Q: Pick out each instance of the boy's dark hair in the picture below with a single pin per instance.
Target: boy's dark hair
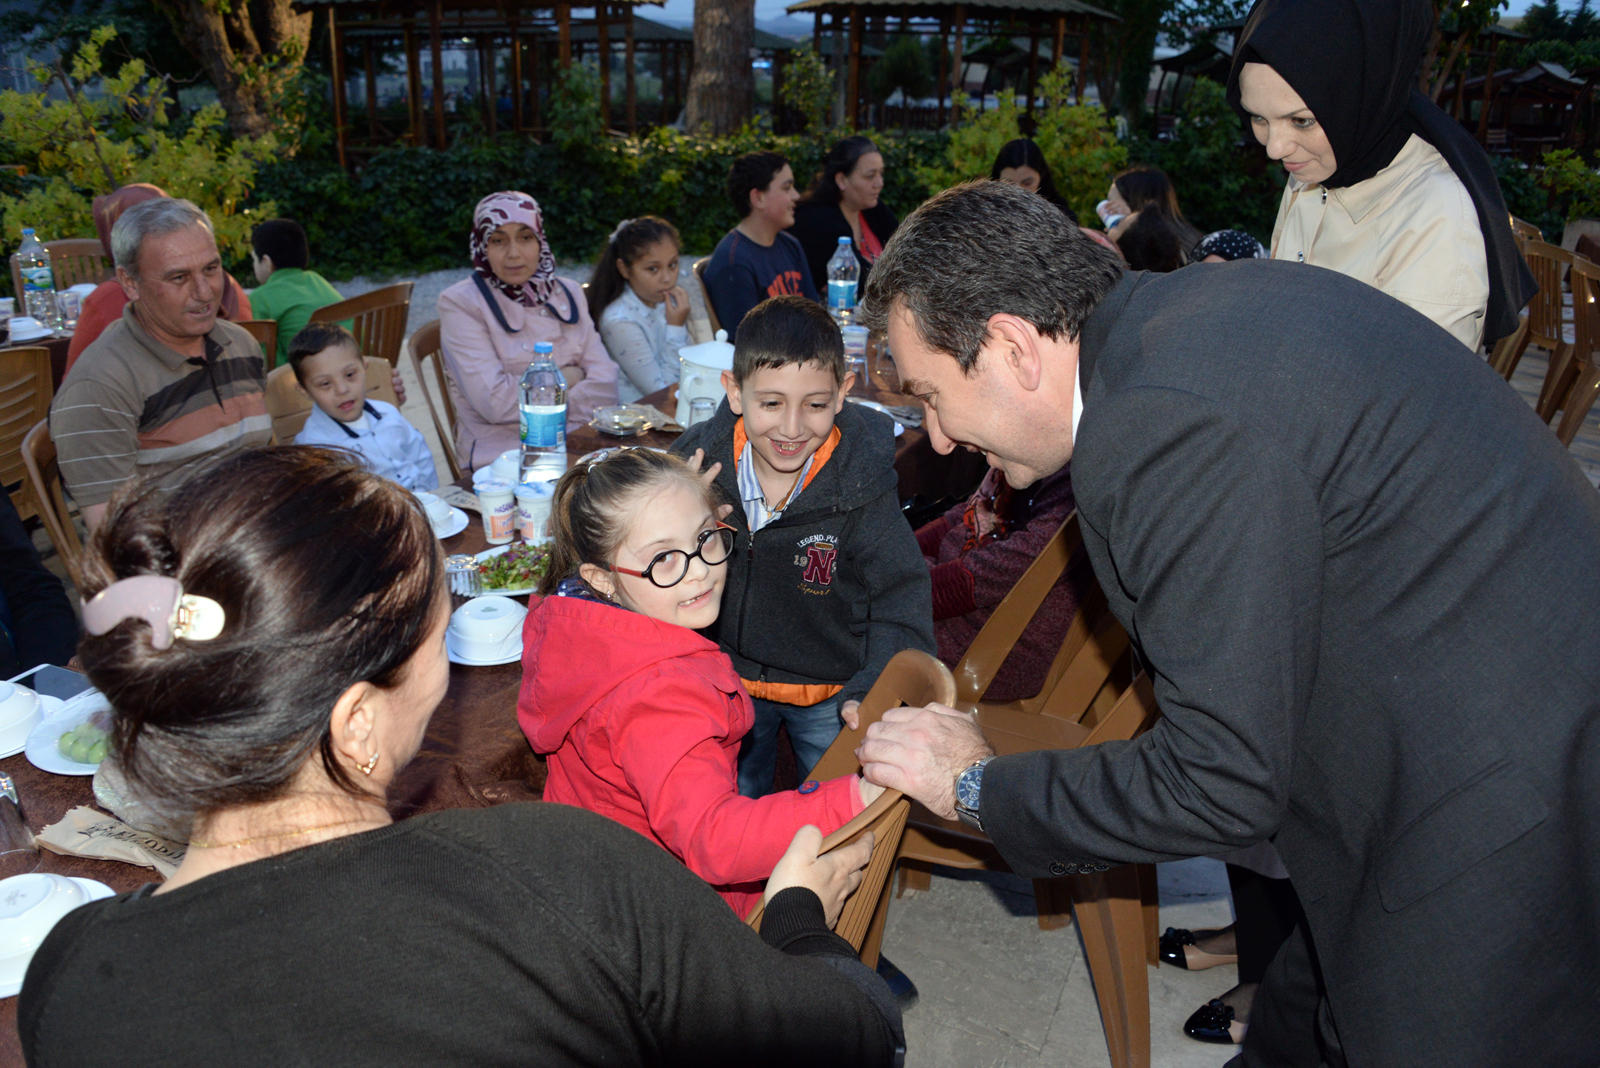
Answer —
(752, 171)
(315, 338)
(1152, 243)
(283, 240)
(784, 330)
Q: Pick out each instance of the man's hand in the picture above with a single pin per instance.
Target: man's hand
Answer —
(920, 751)
(833, 878)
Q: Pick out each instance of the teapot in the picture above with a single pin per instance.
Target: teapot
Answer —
(700, 373)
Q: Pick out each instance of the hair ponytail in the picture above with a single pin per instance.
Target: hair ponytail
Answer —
(626, 243)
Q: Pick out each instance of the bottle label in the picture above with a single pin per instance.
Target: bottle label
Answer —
(37, 278)
(544, 425)
(841, 295)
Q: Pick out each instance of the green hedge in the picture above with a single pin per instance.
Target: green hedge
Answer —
(409, 210)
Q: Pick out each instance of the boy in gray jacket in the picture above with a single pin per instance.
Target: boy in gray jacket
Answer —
(826, 582)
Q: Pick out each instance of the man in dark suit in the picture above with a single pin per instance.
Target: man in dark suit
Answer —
(1366, 584)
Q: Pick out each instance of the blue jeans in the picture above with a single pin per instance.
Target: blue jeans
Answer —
(811, 730)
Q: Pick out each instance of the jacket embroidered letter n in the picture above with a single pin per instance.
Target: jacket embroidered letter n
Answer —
(819, 564)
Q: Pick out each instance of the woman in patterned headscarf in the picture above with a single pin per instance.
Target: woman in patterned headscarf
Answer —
(490, 321)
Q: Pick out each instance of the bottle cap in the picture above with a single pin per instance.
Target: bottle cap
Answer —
(543, 347)
(27, 231)
(844, 241)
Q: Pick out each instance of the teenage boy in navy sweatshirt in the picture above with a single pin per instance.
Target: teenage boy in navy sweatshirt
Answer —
(826, 582)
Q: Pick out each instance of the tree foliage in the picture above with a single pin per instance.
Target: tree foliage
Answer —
(120, 132)
(1076, 139)
(903, 66)
(808, 87)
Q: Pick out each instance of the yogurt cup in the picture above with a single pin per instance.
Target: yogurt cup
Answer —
(497, 503)
(533, 509)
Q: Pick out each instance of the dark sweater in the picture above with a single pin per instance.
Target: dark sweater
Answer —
(523, 934)
(742, 274)
(819, 226)
(836, 586)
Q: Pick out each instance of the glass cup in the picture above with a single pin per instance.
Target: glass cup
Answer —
(701, 409)
(68, 307)
(19, 853)
(466, 579)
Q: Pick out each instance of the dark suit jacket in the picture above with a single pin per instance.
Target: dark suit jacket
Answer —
(1366, 583)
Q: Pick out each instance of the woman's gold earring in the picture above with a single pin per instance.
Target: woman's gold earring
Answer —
(366, 769)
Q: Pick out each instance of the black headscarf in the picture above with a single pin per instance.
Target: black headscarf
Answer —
(1355, 64)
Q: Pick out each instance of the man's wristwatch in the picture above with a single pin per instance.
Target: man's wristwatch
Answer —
(969, 784)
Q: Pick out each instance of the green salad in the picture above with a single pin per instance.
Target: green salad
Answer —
(518, 568)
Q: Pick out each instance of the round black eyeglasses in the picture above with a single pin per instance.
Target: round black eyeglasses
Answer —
(667, 569)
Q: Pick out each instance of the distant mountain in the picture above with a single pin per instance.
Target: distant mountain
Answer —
(787, 26)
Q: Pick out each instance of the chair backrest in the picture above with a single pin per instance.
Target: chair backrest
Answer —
(423, 347)
(911, 677)
(1093, 644)
(25, 392)
(76, 260)
(44, 482)
(265, 331)
(1525, 232)
(290, 408)
(1549, 264)
(700, 277)
(379, 319)
(1571, 383)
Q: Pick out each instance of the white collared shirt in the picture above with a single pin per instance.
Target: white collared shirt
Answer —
(754, 498)
(1077, 401)
(642, 343)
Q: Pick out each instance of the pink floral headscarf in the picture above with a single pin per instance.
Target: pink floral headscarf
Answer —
(495, 211)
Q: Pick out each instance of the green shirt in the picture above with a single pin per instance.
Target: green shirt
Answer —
(290, 296)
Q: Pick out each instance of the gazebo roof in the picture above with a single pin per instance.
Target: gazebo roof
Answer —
(978, 7)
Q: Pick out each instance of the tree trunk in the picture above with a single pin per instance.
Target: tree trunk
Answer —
(246, 52)
(722, 88)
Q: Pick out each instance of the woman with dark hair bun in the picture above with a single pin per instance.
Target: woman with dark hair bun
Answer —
(1140, 191)
(1022, 163)
(271, 640)
(843, 202)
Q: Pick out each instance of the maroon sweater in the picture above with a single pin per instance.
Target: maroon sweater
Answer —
(968, 582)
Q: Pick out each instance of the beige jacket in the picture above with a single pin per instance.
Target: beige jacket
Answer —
(1410, 230)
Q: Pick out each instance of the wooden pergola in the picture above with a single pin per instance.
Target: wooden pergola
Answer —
(539, 39)
(952, 23)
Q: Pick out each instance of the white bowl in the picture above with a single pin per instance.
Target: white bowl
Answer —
(20, 711)
(487, 628)
(507, 466)
(30, 905)
(437, 510)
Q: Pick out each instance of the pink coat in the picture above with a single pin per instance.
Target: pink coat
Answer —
(642, 722)
(486, 365)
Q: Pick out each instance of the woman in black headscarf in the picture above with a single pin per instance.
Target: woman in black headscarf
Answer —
(1383, 186)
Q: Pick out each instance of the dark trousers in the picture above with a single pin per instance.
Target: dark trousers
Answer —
(1265, 913)
(1290, 1025)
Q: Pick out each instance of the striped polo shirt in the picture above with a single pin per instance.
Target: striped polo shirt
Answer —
(133, 407)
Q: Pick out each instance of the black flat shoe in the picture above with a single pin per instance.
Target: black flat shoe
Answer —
(1214, 1022)
(900, 985)
(1178, 949)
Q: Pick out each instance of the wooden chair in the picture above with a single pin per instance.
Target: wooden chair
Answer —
(44, 484)
(25, 393)
(700, 277)
(423, 347)
(1524, 232)
(379, 319)
(912, 678)
(1549, 264)
(1086, 699)
(1573, 381)
(265, 331)
(72, 260)
(290, 408)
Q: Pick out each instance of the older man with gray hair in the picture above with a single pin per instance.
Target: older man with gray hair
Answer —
(170, 385)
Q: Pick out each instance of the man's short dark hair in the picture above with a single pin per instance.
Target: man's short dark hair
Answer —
(752, 171)
(283, 240)
(784, 330)
(315, 338)
(983, 249)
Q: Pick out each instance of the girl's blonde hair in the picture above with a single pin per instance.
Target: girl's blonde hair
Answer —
(588, 518)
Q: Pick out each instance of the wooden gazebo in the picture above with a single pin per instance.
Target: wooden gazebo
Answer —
(539, 39)
(952, 22)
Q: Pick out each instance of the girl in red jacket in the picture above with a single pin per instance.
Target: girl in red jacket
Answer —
(641, 716)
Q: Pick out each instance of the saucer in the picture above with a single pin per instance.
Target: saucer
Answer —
(457, 523)
(93, 891)
(457, 658)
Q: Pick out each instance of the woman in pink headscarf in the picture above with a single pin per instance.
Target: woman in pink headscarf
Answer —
(490, 321)
(104, 305)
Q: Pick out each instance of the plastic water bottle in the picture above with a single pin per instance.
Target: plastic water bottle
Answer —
(38, 281)
(844, 271)
(544, 414)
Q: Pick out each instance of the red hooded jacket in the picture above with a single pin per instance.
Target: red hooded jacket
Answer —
(642, 722)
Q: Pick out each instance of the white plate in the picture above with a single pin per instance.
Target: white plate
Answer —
(457, 658)
(42, 748)
(95, 891)
(496, 551)
(899, 427)
(458, 522)
(48, 706)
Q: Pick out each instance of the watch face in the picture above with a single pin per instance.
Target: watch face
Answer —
(968, 785)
